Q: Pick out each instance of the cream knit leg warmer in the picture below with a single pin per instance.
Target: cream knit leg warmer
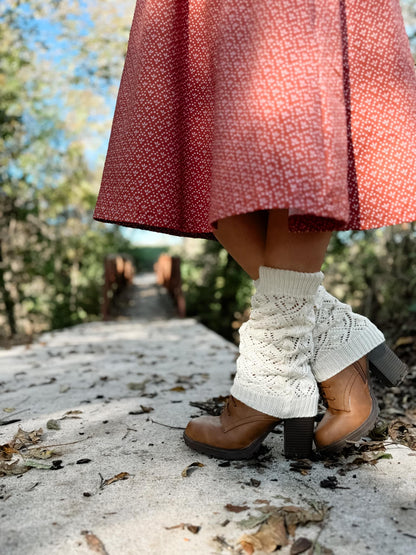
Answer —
(273, 370)
(340, 336)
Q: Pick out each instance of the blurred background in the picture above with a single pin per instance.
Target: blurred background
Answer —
(60, 66)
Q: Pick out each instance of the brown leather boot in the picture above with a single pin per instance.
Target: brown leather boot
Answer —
(240, 430)
(352, 408)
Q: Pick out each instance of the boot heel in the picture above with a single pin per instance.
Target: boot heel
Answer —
(386, 365)
(298, 437)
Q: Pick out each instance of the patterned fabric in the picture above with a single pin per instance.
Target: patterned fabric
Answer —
(340, 336)
(231, 106)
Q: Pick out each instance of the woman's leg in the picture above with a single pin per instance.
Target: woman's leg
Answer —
(274, 379)
(263, 239)
(273, 370)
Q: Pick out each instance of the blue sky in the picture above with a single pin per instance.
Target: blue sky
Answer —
(48, 32)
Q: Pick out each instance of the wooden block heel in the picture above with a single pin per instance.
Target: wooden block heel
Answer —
(386, 365)
(298, 437)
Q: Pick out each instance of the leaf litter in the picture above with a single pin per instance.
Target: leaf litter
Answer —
(191, 527)
(94, 543)
(190, 468)
(278, 524)
(106, 482)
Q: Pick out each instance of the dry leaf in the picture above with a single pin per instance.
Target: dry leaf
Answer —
(42, 453)
(191, 527)
(300, 546)
(213, 406)
(177, 388)
(252, 521)
(12, 469)
(369, 457)
(403, 431)
(186, 471)
(22, 439)
(380, 431)
(247, 547)
(35, 464)
(271, 535)
(117, 478)
(94, 543)
(71, 414)
(143, 410)
(9, 409)
(7, 452)
(294, 515)
(236, 508)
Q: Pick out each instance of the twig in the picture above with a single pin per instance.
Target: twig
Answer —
(315, 541)
(58, 444)
(14, 413)
(166, 425)
(127, 432)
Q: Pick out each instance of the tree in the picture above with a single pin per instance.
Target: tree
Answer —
(50, 249)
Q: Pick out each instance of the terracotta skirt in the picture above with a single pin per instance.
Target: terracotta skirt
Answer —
(231, 106)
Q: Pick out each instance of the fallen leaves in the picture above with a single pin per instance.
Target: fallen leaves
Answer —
(190, 468)
(403, 431)
(300, 546)
(271, 536)
(25, 449)
(94, 543)
(23, 439)
(42, 453)
(212, 406)
(143, 410)
(303, 466)
(7, 452)
(368, 457)
(236, 508)
(116, 478)
(16, 447)
(71, 414)
(277, 524)
(191, 527)
(13, 468)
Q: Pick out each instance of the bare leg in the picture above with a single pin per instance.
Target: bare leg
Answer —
(263, 239)
(244, 237)
(300, 252)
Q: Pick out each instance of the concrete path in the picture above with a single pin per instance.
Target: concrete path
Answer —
(96, 382)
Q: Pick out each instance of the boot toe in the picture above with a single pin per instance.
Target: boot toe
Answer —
(201, 429)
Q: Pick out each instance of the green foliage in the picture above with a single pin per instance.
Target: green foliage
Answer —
(145, 257)
(217, 291)
(374, 271)
(51, 251)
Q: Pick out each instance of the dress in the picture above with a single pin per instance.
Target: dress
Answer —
(231, 106)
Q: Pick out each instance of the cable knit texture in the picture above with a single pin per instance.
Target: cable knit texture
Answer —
(340, 336)
(276, 344)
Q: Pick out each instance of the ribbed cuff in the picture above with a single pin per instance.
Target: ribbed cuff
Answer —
(283, 406)
(359, 344)
(273, 281)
